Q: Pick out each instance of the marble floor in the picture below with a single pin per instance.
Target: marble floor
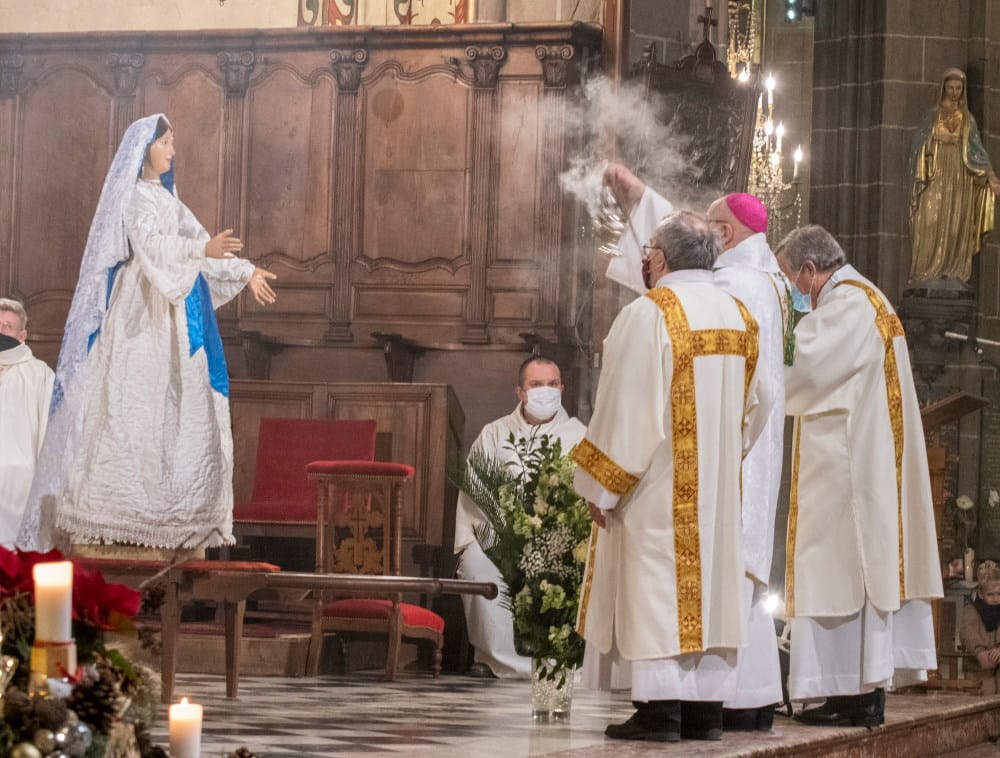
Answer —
(362, 714)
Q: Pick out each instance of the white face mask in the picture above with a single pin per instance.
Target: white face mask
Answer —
(543, 402)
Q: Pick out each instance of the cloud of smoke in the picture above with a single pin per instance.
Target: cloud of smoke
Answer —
(623, 123)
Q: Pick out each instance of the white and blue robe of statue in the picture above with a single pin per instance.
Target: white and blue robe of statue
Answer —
(862, 559)
(139, 447)
(489, 623)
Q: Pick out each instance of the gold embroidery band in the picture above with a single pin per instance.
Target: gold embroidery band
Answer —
(793, 520)
(605, 471)
(889, 328)
(752, 348)
(686, 345)
(588, 581)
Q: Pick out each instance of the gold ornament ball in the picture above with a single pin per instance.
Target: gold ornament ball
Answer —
(25, 750)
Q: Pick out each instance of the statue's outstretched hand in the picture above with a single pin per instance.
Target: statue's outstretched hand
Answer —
(259, 287)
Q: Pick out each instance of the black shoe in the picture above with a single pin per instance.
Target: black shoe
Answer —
(748, 719)
(870, 709)
(481, 671)
(765, 718)
(739, 719)
(853, 710)
(701, 720)
(646, 728)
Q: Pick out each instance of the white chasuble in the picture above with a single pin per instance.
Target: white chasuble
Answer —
(490, 625)
(154, 461)
(861, 521)
(677, 406)
(25, 391)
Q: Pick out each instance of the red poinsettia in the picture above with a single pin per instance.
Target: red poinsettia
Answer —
(100, 604)
(95, 601)
(16, 569)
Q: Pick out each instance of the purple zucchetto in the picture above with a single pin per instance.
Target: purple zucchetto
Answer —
(749, 211)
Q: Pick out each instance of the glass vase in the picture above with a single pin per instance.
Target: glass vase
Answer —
(551, 699)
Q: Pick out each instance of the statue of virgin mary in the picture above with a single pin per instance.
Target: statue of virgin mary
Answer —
(138, 449)
(952, 197)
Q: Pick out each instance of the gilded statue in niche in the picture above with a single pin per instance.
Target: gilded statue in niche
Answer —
(953, 186)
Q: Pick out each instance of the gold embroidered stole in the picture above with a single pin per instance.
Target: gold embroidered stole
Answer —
(686, 345)
(889, 327)
(793, 520)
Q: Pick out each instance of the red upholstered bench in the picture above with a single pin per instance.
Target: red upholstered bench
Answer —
(359, 518)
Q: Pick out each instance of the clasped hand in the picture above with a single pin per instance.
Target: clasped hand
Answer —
(989, 659)
(597, 516)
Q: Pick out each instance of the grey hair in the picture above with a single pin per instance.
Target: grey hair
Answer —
(812, 243)
(13, 306)
(687, 241)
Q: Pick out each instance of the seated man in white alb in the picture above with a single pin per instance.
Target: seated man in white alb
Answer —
(539, 411)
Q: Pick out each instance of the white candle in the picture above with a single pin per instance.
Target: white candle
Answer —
(53, 601)
(770, 91)
(185, 729)
(779, 132)
(798, 158)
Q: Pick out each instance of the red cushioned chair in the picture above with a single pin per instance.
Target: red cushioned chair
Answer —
(359, 531)
(283, 502)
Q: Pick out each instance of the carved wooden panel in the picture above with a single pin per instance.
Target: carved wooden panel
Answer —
(55, 158)
(398, 180)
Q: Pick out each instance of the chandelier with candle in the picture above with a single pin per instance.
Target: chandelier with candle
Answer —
(744, 18)
(783, 199)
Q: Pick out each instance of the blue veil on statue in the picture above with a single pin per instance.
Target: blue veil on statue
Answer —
(106, 250)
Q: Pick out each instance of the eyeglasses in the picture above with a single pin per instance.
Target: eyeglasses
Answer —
(648, 250)
(14, 326)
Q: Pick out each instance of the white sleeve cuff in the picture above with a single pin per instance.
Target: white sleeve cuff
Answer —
(590, 489)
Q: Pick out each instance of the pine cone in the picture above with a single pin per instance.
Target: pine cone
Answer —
(243, 752)
(98, 701)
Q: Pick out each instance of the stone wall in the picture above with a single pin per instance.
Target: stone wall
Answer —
(878, 68)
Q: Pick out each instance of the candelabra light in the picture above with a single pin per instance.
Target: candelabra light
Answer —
(744, 18)
(783, 199)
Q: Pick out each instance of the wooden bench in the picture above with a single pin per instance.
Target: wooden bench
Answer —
(230, 583)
